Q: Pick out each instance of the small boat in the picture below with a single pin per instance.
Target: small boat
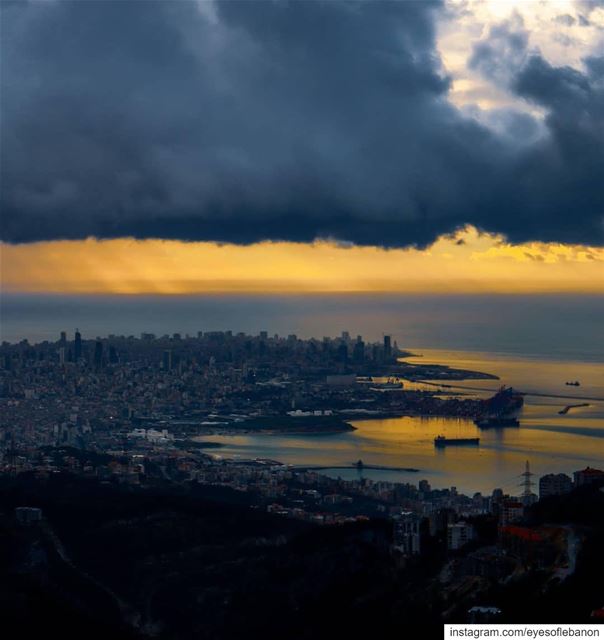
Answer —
(576, 383)
(441, 441)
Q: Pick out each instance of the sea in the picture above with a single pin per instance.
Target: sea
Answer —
(535, 343)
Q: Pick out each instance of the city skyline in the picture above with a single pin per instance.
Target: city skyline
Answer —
(301, 318)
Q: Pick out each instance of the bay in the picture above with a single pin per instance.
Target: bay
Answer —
(535, 343)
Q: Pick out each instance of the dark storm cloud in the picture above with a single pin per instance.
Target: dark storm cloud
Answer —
(503, 50)
(278, 120)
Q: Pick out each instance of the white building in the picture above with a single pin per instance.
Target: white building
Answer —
(406, 533)
(458, 535)
(152, 435)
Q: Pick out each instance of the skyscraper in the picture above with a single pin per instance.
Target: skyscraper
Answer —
(387, 347)
(342, 353)
(77, 349)
(358, 351)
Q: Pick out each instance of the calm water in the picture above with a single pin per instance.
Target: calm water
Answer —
(552, 442)
(534, 343)
(545, 326)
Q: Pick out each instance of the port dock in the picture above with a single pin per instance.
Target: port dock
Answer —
(362, 467)
(523, 393)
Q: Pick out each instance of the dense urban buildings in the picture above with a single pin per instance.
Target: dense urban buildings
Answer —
(219, 221)
(554, 484)
(128, 415)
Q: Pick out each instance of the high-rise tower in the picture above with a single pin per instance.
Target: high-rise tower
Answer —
(387, 347)
(77, 348)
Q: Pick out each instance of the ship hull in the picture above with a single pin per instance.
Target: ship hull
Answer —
(496, 423)
(455, 442)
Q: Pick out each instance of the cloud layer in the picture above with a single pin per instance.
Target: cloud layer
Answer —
(240, 122)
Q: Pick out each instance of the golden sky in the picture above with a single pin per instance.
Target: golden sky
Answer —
(467, 263)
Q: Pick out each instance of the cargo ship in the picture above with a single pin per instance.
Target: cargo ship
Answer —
(498, 411)
(496, 421)
(505, 401)
(441, 441)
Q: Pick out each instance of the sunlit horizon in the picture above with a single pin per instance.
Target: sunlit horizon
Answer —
(467, 262)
